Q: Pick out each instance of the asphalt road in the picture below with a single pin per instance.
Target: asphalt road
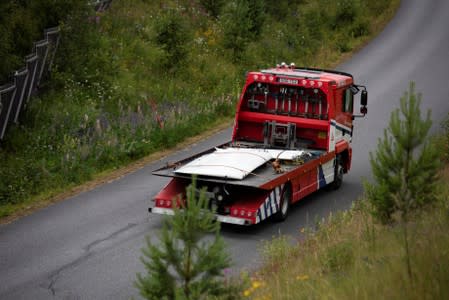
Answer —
(88, 247)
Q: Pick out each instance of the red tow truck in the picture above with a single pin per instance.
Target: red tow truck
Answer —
(292, 136)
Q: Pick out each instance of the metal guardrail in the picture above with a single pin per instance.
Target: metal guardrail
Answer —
(20, 81)
(7, 93)
(101, 5)
(15, 96)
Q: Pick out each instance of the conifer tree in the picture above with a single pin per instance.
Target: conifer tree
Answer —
(405, 163)
(186, 264)
(173, 35)
(242, 22)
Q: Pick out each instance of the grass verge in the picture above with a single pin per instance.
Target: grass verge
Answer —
(351, 256)
(11, 212)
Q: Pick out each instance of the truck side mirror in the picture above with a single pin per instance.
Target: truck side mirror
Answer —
(363, 110)
(364, 98)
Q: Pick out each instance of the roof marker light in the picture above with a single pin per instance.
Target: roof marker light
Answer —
(264, 77)
(304, 82)
(312, 83)
(320, 84)
(256, 77)
(271, 78)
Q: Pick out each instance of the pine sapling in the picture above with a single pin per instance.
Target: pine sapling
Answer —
(404, 166)
(404, 159)
(190, 259)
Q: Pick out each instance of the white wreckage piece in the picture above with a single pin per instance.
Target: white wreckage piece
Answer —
(235, 163)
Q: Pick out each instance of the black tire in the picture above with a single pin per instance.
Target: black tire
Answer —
(338, 177)
(286, 200)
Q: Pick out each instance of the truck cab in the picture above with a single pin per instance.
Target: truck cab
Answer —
(297, 108)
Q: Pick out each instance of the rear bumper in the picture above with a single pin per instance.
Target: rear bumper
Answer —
(233, 220)
(220, 218)
(161, 211)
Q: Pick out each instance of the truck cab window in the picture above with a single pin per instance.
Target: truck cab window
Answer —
(348, 99)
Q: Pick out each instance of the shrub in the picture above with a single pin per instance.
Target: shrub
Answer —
(241, 23)
(213, 7)
(360, 28)
(347, 12)
(338, 257)
(445, 139)
(173, 36)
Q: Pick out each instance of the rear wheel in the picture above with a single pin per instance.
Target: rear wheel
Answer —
(284, 205)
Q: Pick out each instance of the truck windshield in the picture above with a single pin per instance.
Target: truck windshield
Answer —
(286, 100)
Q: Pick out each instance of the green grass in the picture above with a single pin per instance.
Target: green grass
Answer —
(128, 86)
(352, 256)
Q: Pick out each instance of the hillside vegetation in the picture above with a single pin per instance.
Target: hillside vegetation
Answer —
(145, 75)
(352, 256)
